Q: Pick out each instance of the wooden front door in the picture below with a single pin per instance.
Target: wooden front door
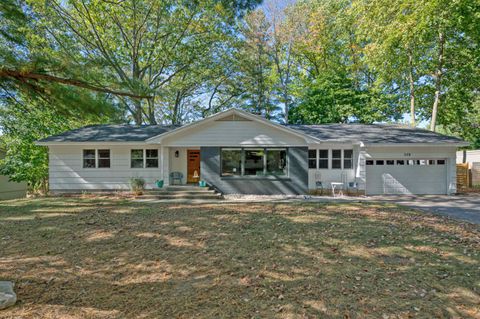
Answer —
(193, 166)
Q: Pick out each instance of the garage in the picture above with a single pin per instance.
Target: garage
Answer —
(406, 176)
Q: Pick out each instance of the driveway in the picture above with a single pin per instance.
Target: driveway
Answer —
(464, 207)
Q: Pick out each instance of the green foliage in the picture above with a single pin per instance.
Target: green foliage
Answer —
(137, 185)
(333, 98)
(23, 122)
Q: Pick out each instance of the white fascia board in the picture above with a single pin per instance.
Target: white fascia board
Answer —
(456, 144)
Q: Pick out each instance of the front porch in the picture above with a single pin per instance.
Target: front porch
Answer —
(181, 165)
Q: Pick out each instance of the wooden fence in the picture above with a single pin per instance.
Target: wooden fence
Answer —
(463, 176)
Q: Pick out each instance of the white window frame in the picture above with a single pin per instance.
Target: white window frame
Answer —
(97, 157)
(144, 158)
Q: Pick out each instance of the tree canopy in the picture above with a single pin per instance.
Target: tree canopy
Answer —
(67, 63)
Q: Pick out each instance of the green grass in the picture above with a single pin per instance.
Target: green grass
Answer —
(111, 258)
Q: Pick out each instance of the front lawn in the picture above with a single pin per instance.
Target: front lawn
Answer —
(107, 258)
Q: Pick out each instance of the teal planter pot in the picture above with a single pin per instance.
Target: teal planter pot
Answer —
(202, 184)
(159, 183)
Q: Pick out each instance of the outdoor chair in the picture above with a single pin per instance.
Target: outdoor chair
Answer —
(176, 176)
(319, 187)
(352, 186)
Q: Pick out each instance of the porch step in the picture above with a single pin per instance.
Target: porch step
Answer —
(182, 192)
(212, 196)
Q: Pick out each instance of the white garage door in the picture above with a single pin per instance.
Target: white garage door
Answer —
(402, 176)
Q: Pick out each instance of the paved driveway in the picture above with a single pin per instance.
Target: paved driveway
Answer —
(465, 207)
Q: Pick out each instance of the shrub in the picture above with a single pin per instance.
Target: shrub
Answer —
(137, 185)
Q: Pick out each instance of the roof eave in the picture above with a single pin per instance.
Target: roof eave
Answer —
(441, 144)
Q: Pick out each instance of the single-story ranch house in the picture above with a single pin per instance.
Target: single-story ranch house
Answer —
(238, 152)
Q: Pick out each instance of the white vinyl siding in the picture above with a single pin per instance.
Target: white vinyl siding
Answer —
(66, 170)
(234, 133)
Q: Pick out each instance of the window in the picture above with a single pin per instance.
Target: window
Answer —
(277, 161)
(254, 162)
(136, 159)
(369, 162)
(431, 162)
(231, 162)
(347, 159)
(151, 158)
(323, 159)
(336, 159)
(390, 162)
(400, 162)
(440, 162)
(379, 162)
(103, 158)
(410, 162)
(89, 159)
(312, 158)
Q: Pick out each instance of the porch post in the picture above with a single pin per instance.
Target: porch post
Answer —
(165, 156)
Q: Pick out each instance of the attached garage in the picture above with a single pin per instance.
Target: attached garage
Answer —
(406, 176)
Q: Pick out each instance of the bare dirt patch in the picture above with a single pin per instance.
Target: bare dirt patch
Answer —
(112, 258)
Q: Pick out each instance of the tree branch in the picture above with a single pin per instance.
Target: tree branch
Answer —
(18, 75)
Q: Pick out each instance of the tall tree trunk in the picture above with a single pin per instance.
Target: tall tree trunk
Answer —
(137, 115)
(151, 112)
(285, 97)
(438, 79)
(412, 87)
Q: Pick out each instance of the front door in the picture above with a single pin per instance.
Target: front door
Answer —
(193, 166)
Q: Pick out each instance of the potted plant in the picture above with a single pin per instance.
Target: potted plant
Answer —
(137, 185)
(202, 184)
(159, 183)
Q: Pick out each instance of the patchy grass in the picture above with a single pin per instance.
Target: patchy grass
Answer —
(106, 258)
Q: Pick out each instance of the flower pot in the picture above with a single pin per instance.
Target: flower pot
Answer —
(159, 183)
(202, 184)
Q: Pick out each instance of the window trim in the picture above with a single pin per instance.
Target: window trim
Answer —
(347, 158)
(144, 158)
(337, 158)
(323, 158)
(315, 159)
(97, 157)
(265, 174)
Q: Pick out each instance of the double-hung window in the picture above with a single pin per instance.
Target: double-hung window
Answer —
(151, 158)
(136, 160)
(103, 158)
(312, 158)
(89, 159)
(337, 159)
(347, 159)
(323, 159)
(96, 158)
(140, 158)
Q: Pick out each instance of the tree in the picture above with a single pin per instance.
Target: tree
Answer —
(145, 46)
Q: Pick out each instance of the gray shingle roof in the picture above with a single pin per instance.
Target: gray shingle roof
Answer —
(110, 133)
(373, 133)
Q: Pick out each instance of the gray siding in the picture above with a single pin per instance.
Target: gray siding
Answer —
(296, 183)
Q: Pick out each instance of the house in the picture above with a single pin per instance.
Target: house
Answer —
(9, 189)
(238, 152)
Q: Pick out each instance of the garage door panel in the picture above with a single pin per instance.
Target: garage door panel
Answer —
(406, 179)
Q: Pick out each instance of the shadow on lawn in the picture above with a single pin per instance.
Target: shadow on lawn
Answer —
(114, 259)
